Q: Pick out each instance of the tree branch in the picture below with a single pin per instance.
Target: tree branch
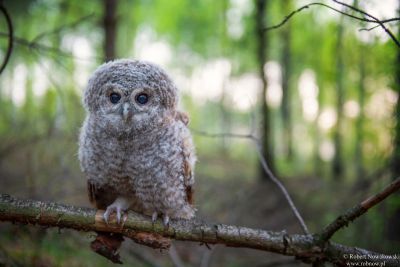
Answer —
(372, 19)
(44, 48)
(369, 29)
(141, 256)
(176, 260)
(35, 44)
(62, 27)
(282, 188)
(358, 210)
(10, 36)
(303, 247)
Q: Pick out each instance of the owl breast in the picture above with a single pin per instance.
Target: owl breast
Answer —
(147, 168)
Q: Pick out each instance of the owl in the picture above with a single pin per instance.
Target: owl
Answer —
(134, 147)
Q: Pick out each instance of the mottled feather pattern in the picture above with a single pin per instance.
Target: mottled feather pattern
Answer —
(148, 159)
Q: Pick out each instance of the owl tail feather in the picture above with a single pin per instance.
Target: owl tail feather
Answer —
(107, 245)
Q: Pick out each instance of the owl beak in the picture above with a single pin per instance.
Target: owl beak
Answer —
(126, 111)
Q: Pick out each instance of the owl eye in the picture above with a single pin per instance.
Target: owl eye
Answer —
(142, 98)
(115, 97)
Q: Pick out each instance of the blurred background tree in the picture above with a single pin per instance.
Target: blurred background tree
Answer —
(322, 94)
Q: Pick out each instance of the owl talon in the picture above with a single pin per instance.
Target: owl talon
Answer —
(119, 206)
(111, 209)
(105, 217)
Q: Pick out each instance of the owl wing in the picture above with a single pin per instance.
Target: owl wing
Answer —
(182, 116)
(188, 167)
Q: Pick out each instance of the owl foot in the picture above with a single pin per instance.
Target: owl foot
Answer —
(119, 206)
(165, 218)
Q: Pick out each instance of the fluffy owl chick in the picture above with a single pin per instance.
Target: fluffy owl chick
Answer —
(135, 147)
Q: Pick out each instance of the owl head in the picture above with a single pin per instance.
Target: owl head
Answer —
(130, 95)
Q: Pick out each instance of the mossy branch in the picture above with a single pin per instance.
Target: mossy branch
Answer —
(303, 247)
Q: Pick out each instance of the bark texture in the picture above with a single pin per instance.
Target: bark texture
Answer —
(303, 247)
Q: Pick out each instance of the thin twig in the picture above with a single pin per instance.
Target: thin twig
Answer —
(10, 36)
(206, 258)
(372, 19)
(48, 49)
(375, 19)
(356, 9)
(173, 254)
(358, 210)
(62, 27)
(141, 256)
(34, 44)
(217, 135)
(266, 169)
(369, 29)
(327, 6)
(282, 188)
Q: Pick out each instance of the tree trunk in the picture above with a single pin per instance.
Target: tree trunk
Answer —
(286, 76)
(396, 144)
(360, 172)
(337, 167)
(393, 228)
(266, 132)
(225, 116)
(110, 28)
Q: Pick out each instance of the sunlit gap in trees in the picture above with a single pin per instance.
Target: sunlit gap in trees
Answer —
(234, 23)
(82, 50)
(43, 74)
(206, 82)
(160, 52)
(273, 73)
(308, 90)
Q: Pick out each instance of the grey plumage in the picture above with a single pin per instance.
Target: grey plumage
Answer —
(136, 156)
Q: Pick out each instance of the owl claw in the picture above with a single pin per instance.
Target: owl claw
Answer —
(119, 206)
(111, 209)
(108, 213)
